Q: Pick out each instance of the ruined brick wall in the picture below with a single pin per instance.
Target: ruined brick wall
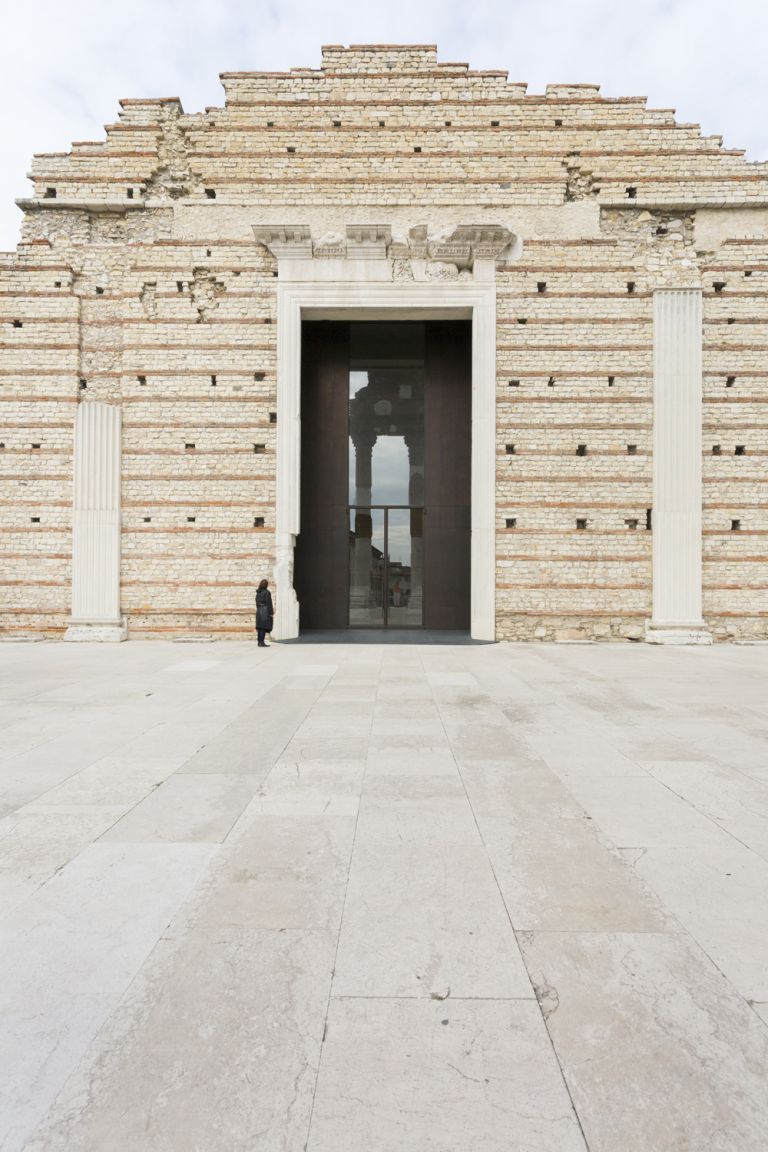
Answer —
(735, 439)
(138, 280)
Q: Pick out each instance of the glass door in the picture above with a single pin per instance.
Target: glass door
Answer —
(385, 567)
(386, 473)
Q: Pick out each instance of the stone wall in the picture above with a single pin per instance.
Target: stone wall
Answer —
(138, 281)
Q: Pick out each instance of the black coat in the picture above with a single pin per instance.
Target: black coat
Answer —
(264, 610)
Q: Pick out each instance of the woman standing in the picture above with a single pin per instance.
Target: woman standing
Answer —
(265, 613)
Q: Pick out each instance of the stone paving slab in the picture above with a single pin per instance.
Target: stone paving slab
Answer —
(383, 897)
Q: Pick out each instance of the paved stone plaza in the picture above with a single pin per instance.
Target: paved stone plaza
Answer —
(383, 898)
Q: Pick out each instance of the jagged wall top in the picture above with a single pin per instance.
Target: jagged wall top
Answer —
(391, 121)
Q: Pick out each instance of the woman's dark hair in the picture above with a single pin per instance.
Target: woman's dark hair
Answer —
(263, 584)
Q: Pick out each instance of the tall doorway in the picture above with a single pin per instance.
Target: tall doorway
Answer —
(385, 475)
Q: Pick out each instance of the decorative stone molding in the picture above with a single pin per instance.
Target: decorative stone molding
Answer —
(457, 251)
(285, 241)
(677, 387)
(368, 241)
(96, 526)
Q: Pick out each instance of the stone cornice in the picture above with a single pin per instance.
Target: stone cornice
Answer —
(285, 241)
(450, 252)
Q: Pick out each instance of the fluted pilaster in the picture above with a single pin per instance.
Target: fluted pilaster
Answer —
(677, 387)
(96, 525)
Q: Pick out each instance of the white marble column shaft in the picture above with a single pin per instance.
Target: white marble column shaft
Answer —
(96, 525)
(677, 388)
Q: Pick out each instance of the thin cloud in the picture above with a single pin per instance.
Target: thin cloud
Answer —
(63, 69)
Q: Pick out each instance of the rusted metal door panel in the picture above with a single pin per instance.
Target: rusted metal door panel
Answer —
(447, 474)
(322, 551)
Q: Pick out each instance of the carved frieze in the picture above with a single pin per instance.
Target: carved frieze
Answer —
(439, 254)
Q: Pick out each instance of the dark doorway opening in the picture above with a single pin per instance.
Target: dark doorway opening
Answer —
(385, 475)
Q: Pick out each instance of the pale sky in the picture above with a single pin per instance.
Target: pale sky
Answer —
(64, 64)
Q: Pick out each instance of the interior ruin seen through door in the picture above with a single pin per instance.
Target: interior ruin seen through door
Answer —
(385, 475)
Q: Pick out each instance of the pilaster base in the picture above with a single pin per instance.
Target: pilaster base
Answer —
(677, 634)
(97, 632)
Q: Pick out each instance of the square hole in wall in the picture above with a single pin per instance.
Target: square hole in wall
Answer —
(719, 286)
(82, 384)
(129, 193)
(611, 381)
(259, 449)
(630, 287)
(510, 522)
(513, 383)
(551, 382)
(716, 450)
(581, 523)
(191, 519)
(259, 376)
(142, 380)
(494, 123)
(210, 193)
(273, 417)
(189, 447)
(632, 192)
(36, 445)
(740, 450)
(730, 381)
(18, 323)
(146, 519)
(558, 123)
(581, 450)
(50, 194)
(35, 519)
(258, 521)
(510, 450)
(214, 381)
(735, 525)
(648, 519)
(631, 524)
(632, 449)
(99, 291)
(541, 286)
